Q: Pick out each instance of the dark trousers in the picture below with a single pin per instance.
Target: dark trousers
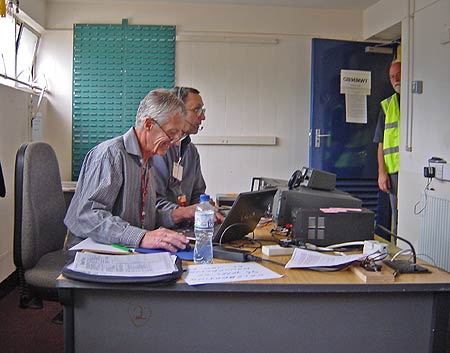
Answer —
(393, 200)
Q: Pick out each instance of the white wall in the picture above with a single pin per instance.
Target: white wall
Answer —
(425, 59)
(250, 97)
(15, 122)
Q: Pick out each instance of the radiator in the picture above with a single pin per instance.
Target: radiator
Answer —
(434, 236)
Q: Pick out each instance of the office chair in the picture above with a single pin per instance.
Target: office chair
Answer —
(39, 230)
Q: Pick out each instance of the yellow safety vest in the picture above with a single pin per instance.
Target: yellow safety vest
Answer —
(391, 139)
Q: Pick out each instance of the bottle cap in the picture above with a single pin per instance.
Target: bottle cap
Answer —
(204, 198)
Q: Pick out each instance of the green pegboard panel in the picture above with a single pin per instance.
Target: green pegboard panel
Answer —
(114, 67)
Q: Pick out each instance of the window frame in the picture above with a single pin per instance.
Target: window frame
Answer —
(20, 25)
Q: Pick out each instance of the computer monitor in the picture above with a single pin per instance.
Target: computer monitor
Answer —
(285, 201)
(244, 215)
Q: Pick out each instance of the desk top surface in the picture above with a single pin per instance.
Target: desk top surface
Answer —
(299, 280)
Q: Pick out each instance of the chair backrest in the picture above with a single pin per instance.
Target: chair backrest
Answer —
(39, 207)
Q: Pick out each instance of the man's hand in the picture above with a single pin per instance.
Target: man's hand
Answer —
(383, 181)
(383, 178)
(182, 214)
(163, 238)
(218, 217)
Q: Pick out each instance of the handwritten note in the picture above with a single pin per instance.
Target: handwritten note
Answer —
(230, 272)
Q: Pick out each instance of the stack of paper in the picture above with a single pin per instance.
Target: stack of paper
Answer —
(143, 265)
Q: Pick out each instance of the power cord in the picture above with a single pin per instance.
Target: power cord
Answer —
(259, 259)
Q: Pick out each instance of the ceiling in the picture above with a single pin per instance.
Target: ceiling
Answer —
(316, 4)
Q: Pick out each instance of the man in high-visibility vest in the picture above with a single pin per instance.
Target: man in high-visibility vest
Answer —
(387, 135)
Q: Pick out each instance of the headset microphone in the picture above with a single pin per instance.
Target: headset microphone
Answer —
(200, 128)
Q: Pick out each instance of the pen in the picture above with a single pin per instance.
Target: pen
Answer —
(124, 248)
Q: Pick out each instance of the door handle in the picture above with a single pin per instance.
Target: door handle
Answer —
(318, 135)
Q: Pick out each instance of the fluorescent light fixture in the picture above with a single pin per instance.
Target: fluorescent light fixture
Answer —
(235, 140)
(225, 38)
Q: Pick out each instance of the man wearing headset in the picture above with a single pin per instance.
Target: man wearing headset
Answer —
(179, 179)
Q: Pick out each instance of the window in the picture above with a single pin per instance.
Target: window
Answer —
(7, 49)
(26, 47)
(18, 49)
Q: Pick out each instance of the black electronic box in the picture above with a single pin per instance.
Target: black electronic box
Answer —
(328, 226)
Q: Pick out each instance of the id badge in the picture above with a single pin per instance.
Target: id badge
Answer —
(177, 171)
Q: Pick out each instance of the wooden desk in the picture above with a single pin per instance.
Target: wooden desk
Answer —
(305, 311)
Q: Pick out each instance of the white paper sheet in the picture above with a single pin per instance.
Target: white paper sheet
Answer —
(230, 272)
(91, 245)
(356, 108)
(141, 265)
(302, 258)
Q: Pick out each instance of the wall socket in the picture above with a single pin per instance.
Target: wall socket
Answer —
(417, 87)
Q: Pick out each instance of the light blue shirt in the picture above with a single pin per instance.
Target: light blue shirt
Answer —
(107, 203)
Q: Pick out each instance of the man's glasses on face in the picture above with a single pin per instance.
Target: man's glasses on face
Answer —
(172, 139)
(198, 111)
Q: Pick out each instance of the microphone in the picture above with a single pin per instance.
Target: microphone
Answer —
(200, 128)
(403, 266)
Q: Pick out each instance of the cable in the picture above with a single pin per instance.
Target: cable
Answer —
(330, 269)
(401, 252)
(331, 248)
(227, 229)
(427, 187)
(404, 266)
(259, 259)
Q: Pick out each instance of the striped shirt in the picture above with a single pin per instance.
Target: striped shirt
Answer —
(107, 204)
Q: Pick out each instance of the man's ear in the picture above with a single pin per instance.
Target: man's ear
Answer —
(148, 123)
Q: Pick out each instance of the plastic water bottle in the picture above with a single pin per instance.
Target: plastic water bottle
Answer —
(204, 230)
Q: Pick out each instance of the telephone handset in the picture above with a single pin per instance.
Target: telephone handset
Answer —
(296, 178)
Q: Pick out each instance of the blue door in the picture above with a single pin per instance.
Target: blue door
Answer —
(346, 149)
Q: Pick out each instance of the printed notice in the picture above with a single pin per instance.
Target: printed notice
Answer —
(302, 258)
(356, 82)
(356, 108)
(356, 85)
(231, 272)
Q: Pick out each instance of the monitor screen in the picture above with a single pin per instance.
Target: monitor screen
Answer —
(244, 215)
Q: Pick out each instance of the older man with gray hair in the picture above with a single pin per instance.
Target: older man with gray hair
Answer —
(114, 202)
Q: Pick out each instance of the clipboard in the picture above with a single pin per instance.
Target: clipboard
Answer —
(156, 280)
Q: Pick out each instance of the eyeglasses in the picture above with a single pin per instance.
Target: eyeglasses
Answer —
(172, 139)
(198, 111)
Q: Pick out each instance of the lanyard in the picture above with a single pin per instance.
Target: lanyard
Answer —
(177, 174)
(144, 190)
